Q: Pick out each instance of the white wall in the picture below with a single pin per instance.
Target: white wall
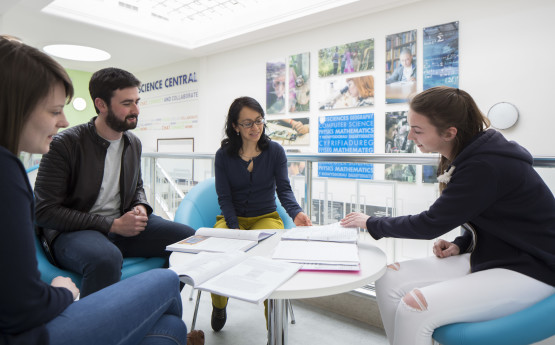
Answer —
(506, 49)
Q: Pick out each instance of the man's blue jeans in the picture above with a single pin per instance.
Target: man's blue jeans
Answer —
(145, 309)
(98, 258)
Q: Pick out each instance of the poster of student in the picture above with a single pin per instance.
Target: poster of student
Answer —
(299, 82)
(289, 132)
(441, 55)
(396, 133)
(346, 58)
(400, 66)
(351, 92)
(275, 87)
(396, 141)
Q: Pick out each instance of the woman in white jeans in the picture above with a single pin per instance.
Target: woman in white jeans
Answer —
(503, 262)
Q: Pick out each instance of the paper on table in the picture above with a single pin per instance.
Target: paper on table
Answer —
(309, 251)
(251, 235)
(202, 266)
(236, 275)
(252, 280)
(332, 232)
(220, 240)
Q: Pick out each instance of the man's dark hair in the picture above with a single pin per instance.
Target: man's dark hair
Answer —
(104, 82)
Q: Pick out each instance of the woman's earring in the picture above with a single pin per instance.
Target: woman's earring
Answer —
(237, 133)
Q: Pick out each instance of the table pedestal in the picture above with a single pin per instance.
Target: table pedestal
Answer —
(277, 322)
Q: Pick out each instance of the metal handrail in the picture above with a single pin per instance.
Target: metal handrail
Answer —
(373, 158)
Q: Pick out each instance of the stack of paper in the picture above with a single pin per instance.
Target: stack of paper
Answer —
(220, 240)
(236, 275)
(327, 248)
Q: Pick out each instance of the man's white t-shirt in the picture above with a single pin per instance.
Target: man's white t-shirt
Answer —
(108, 202)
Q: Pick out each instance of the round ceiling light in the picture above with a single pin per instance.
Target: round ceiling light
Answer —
(75, 52)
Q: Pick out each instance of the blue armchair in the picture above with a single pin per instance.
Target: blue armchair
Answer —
(527, 326)
(200, 207)
(130, 267)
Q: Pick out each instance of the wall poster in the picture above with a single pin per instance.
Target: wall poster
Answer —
(353, 92)
(289, 132)
(441, 55)
(299, 82)
(275, 87)
(346, 134)
(396, 141)
(346, 58)
(400, 66)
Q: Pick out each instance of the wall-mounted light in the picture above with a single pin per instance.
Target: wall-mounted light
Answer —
(503, 115)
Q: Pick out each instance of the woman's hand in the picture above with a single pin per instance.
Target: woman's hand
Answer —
(67, 283)
(301, 219)
(355, 220)
(444, 249)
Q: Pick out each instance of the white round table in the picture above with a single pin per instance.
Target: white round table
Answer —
(309, 284)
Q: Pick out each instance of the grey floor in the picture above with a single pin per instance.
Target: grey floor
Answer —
(246, 326)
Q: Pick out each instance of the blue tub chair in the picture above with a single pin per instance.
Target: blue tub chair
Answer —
(130, 267)
(527, 326)
(199, 209)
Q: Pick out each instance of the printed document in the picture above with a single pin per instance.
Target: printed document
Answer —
(236, 275)
(220, 240)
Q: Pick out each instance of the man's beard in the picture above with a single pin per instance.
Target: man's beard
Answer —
(118, 125)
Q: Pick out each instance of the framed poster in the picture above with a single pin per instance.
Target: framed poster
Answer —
(441, 55)
(350, 92)
(299, 82)
(346, 58)
(275, 87)
(400, 66)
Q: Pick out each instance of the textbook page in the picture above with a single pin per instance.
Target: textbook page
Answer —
(204, 266)
(220, 240)
(199, 243)
(251, 235)
(332, 232)
(251, 280)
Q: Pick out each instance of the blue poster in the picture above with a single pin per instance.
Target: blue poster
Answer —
(346, 134)
(346, 170)
(441, 55)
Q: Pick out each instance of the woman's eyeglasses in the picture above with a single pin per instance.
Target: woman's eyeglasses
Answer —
(249, 124)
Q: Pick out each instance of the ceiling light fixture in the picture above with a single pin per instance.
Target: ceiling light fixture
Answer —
(75, 52)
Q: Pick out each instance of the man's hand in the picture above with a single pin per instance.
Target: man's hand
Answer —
(301, 219)
(67, 283)
(131, 223)
(443, 249)
(354, 220)
(141, 209)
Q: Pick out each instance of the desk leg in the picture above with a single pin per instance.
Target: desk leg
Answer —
(277, 320)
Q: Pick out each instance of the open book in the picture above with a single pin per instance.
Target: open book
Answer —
(235, 274)
(329, 233)
(329, 247)
(220, 240)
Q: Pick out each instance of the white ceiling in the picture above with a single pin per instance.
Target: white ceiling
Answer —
(24, 19)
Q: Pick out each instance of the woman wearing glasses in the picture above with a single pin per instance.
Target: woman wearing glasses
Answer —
(250, 170)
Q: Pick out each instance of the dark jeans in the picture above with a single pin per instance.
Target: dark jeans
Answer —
(144, 309)
(98, 258)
